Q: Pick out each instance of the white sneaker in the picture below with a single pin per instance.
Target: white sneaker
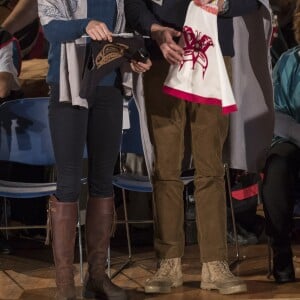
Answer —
(217, 276)
(167, 276)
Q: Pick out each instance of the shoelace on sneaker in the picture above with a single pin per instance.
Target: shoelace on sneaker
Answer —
(222, 268)
(166, 266)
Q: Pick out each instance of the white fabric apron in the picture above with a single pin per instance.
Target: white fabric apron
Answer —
(202, 76)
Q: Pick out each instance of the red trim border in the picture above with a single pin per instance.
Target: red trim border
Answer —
(207, 7)
(198, 99)
(2, 45)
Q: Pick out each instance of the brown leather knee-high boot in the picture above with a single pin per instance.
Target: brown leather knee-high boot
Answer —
(63, 218)
(99, 223)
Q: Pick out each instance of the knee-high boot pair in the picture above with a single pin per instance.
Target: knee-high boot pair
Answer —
(99, 222)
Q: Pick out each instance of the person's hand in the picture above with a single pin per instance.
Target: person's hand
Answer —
(98, 31)
(164, 37)
(140, 67)
(220, 5)
(6, 80)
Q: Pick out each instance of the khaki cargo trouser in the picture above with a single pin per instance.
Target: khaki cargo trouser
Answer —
(167, 117)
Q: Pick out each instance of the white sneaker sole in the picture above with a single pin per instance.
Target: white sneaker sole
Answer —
(155, 289)
(240, 288)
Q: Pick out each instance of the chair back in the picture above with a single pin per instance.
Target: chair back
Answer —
(24, 132)
(131, 138)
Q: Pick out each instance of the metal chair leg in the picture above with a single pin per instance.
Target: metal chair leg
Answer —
(108, 263)
(80, 246)
(129, 259)
(79, 238)
(5, 217)
(237, 249)
(270, 254)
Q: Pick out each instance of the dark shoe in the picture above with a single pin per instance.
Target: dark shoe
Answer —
(231, 240)
(243, 236)
(249, 237)
(283, 267)
(5, 247)
(102, 289)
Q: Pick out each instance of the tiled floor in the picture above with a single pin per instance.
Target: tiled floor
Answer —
(29, 274)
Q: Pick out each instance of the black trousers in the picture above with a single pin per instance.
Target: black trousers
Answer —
(280, 178)
(99, 128)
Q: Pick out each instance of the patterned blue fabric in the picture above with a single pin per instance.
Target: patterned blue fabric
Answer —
(286, 78)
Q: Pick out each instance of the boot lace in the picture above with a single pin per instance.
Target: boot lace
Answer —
(222, 269)
(167, 267)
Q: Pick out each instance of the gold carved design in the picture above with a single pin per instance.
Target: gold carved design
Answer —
(109, 53)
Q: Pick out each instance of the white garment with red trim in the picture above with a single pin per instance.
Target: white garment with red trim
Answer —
(202, 76)
(7, 64)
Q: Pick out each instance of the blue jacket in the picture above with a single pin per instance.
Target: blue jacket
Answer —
(57, 32)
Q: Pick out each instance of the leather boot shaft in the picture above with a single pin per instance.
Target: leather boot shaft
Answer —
(99, 227)
(99, 223)
(63, 219)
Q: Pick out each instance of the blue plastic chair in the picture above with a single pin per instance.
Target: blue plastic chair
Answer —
(25, 138)
(132, 143)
